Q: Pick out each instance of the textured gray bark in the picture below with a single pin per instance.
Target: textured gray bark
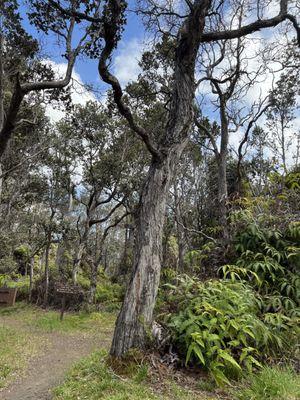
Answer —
(222, 170)
(31, 266)
(1, 103)
(136, 314)
(180, 231)
(135, 319)
(64, 246)
(78, 256)
(46, 272)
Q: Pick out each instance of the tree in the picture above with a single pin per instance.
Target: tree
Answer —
(280, 115)
(137, 309)
(39, 77)
(136, 315)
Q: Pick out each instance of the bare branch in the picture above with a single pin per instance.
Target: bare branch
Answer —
(110, 33)
(254, 26)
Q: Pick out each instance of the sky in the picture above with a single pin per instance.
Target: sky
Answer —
(125, 64)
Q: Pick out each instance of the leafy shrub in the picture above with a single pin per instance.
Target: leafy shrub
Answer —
(16, 281)
(83, 282)
(269, 259)
(108, 292)
(216, 326)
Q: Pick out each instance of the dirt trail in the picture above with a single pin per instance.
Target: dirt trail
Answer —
(48, 370)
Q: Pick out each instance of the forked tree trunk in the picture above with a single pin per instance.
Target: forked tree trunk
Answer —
(135, 318)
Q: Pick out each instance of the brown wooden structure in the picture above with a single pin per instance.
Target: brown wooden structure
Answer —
(8, 296)
(65, 290)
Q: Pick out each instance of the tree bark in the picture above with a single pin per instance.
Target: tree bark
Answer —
(180, 231)
(64, 245)
(31, 277)
(93, 282)
(78, 259)
(46, 273)
(222, 196)
(135, 319)
(222, 171)
(1, 103)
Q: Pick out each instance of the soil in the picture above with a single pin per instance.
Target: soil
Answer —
(49, 368)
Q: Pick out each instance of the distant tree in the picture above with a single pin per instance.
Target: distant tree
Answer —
(281, 115)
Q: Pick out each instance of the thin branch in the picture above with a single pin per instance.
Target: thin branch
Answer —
(254, 26)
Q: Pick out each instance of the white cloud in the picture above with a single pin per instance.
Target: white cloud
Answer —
(126, 66)
(79, 94)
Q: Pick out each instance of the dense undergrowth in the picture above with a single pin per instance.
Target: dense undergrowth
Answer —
(249, 315)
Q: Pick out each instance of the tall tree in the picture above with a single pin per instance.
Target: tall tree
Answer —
(188, 25)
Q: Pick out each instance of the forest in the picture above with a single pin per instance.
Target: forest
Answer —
(149, 199)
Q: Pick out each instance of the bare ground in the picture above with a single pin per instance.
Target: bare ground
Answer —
(48, 369)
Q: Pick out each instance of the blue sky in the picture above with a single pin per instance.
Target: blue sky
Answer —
(128, 49)
(125, 60)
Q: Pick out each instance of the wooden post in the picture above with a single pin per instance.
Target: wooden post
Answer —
(63, 306)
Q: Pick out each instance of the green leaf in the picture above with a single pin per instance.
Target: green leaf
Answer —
(227, 357)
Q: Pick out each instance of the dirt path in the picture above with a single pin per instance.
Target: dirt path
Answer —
(47, 370)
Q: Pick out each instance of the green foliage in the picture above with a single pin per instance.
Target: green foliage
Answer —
(216, 325)
(16, 281)
(3, 279)
(271, 384)
(195, 258)
(269, 260)
(108, 292)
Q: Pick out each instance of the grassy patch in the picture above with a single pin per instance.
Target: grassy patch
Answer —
(17, 310)
(36, 318)
(272, 383)
(94, 379)
(83, 322)
(15, 350)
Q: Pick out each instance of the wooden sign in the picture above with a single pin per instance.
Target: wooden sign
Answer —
(67, 289)
(8, 296)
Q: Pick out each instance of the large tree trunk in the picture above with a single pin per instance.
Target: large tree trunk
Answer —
(180, 231)
(31, 277)
(222, 196)
(77, 260)
(46, 273)
(1, 103)
(222, 172)
(64, 247)
(135, 318)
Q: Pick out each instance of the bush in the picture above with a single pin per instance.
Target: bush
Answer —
(216, 325)
(109, 293)
(269, 260)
